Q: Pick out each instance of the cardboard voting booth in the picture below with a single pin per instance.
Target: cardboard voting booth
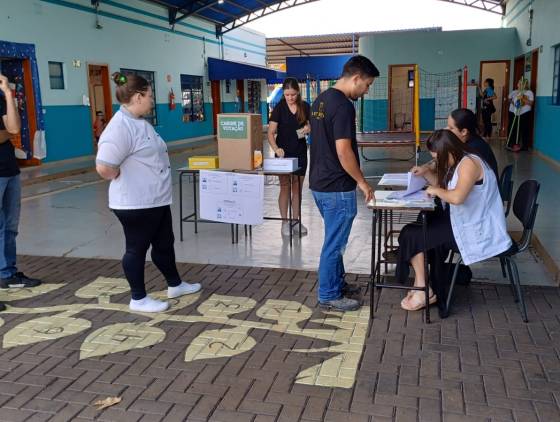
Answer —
(239, 136)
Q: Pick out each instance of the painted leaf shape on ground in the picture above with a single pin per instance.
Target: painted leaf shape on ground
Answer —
(1, 322)
(284, 311)
(213, 344)
(120, 338)
(43, 329)
(20, 293)
(220, 306)
(103, 287)
(176, 303)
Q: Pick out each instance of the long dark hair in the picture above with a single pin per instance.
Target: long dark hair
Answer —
(445, 143)
(292, 83)
(465, 119)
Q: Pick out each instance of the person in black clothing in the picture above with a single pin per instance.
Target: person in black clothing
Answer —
(10, 192)
(288, 125)
(462, 122)
(488, 108)
(335, 173)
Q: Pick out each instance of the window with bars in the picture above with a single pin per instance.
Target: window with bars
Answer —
(556, 80)
(150, 77)
(56, 75)
(192, 98)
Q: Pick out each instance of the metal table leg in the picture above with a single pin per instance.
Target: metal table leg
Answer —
(195, 204)
(290, 209)
(181, 205)
(373, 263)
(426, 269)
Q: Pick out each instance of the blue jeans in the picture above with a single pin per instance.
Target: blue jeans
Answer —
(10, 192)
(338, 210)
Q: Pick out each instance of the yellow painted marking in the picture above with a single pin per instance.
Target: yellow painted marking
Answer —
(20, 293)
(346, 332)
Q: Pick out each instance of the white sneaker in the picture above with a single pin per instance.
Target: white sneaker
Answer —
(303, 230)
(285, 228)
(183, 289)
(148, 304)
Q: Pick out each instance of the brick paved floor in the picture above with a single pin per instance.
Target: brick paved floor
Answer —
(481, 364)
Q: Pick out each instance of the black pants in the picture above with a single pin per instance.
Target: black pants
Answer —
(523, 122)
(439, 239)
(142, 228)
(487, 120)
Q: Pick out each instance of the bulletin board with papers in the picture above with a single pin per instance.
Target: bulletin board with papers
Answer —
(234, 198)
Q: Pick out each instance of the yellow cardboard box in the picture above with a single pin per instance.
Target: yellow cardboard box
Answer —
(204, 162)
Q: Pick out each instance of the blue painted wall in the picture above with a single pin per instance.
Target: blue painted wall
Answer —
(68, 132)
(171, 126)
(376, 114)
(427, 113)
(547, 127)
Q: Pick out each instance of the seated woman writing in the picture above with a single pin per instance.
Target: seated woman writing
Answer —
(472, 221)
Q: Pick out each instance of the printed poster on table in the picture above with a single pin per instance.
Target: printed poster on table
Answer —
(231, 197)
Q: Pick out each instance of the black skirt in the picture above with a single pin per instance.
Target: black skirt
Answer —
(439, 241)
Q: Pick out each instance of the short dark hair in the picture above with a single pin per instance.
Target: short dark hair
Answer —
(490, 82)
(360, 65)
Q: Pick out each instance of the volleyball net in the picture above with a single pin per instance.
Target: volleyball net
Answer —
(402, 113)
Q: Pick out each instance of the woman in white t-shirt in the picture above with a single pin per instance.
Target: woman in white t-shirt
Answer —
(134, 158)
(520, 104)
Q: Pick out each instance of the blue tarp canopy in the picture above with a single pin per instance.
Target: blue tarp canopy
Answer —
(219, 70)
(227, 14)
(320, 68)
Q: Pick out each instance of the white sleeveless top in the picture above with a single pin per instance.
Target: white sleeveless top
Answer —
(479, 224)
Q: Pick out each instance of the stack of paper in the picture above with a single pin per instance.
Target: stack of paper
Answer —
(414, 184)
(394, 179)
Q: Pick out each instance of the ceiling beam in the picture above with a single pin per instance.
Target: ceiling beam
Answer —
(493, 6)
(257, 14)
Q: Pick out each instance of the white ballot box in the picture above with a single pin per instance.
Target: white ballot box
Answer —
(280, 164)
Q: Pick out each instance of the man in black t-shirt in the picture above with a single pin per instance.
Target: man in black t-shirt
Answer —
(10, 193)
(335, 173)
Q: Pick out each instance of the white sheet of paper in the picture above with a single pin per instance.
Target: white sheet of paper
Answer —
(231, 197)
(394, 179)
(415, 183)
(419, 199)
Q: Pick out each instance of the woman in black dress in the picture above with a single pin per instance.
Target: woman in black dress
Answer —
(288, 125)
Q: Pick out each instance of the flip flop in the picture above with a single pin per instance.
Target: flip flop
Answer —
(418, 301)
